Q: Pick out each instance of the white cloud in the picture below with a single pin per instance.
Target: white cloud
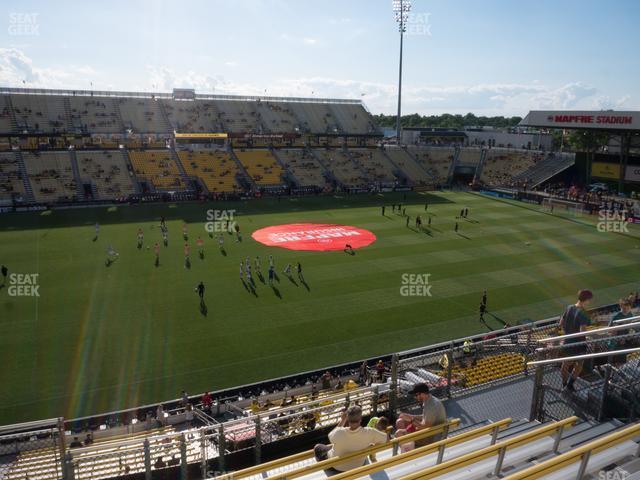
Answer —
(481, 99)
(231, 63)
(309, 41)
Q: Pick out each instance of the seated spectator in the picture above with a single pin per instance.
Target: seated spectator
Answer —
(433, 414)
(349, 437)
(88, 440)
(207, 402)
(75, 443)
(625, 311)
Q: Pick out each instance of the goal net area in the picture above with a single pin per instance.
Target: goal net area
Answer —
(556, 205)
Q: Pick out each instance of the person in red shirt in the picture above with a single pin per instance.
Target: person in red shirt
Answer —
(207, 401)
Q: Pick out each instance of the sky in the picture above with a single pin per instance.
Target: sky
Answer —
(489, 57)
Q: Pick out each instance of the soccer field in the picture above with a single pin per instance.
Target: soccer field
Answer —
(102, 338)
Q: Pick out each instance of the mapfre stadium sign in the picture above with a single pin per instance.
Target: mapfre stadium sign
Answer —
(603, 120)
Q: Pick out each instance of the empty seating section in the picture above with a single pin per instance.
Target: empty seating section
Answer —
(6, 124)
(158, 167)
(469, 156)
(238, 116)
(353, 118)
(375, 164)
(107, 171)
(40, 113)
(94, 115)
(343, 168)
(409, 166)
(315, 117)
(544, 167)
(261, 166)
(51, 176)
(141, 115)
(192, 116)
(487, 369)
(216, 169)
(435, 160)
(304, 167)
(11, 182)
(501, 167)
(277, 117)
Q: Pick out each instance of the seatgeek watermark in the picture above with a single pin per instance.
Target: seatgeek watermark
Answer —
(219, 221)
(612, 475)
(415, 285)
(23, 24)
(613, 221)
(24, 285)
(417, 23)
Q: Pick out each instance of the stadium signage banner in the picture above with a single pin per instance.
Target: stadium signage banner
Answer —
(314, 236)
(200, 135)
(583, 119)
(605, 170)
(632, 173)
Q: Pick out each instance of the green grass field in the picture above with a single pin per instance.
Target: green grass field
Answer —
(102, 338)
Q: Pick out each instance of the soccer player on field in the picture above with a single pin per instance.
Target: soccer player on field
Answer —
(140, 237)
(271, 274)
(299, 269)
(220, 241)
(257, 263)
(165, 237)
(248, 273)
(241, 270)
(97, 229)
(247, 263)
(287, 270)
(187, 250)
(456, 228)
(200, 245)
(156, 249)
(185, 233)
(200, 290)
(271, 261)
(238, 236)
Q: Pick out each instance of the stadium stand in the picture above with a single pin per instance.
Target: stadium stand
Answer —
(11, 178)
(261, 166)
(543, 169)
(51, 176)
(277, 117)
(158, 167)
(342, 167)
(469, 156)
(197, 116)
(501, 167)
(40, 113)
(316, 117)
(436, 161)
(94, 115)
(375, 164)
(7, 115)
(216, 169)
(306, 170)
(141, 115)
(353, 118)
(239, 117)
(107, 170)
(414, 171)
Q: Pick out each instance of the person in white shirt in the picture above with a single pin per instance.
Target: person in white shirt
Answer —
(348, 437)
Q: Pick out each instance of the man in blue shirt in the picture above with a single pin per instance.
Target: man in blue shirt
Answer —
(575, 319)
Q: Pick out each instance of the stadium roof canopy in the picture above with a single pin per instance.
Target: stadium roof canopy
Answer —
(583, 120)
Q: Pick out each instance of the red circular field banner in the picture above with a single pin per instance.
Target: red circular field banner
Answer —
(314, 236)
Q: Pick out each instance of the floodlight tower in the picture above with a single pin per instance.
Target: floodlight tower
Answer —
(401, 9)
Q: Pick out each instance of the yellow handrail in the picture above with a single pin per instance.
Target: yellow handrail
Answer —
(471, 457)
(488, 452)
(566, 459)
(331, 462)
(281, 462)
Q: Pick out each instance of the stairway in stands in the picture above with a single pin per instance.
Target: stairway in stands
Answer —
(76, 174)
(68, 117)
(25, 177)
(12, 113)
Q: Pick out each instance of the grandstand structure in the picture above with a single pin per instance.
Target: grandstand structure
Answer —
(508, 418)
(61, 147)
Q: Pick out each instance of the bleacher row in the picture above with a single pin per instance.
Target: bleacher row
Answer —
(59, 113)
(50, 175)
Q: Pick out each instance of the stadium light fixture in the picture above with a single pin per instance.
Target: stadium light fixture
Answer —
(401, 9)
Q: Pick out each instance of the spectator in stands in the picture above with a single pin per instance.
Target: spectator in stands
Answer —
(88, 440)
(574, 319)
(207, 402)
(348, 437)
(75, 443)
(184, 399)
(380, 370)
(160, 417)
(625, 311)
(325, 380)
(433, 414)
